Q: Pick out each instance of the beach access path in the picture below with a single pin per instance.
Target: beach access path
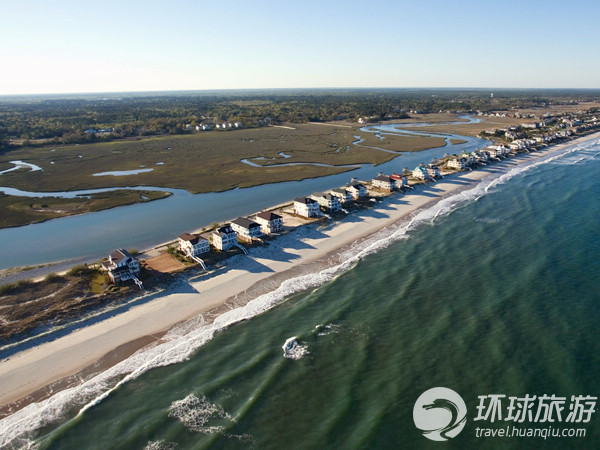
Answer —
(27, 372)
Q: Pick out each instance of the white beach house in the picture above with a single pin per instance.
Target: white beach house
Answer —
(193, 244)
(480, 156)
(434, 171)
(357, 190)
(269, 222)
(456, 163)
(343, 194)
(306, 207)
(223, 238)
(121, 266)
(246, 229)
(401, 181)
(421, 173)
(328, 201)
(384, 182)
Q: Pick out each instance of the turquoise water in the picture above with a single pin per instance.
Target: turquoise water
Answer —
(495, 291)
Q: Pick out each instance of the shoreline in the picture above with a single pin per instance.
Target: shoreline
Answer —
(95, 348)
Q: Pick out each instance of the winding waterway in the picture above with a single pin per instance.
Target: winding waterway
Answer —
(94, 235)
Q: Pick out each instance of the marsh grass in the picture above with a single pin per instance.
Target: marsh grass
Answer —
(201, 162)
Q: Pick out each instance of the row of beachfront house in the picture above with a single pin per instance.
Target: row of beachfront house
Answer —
(227, 236)
(330, 201)
(466, 160)
(122, 266)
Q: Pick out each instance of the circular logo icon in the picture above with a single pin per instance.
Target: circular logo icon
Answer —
(440, 413)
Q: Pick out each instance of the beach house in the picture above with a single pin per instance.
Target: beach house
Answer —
(357, 190)
(223, 238)
(121, 266)
(269, 222)
(421, 173)
(384, 182)
(328, 201)
(306, 207)
(480, 156)
(246, 229)
(343, 194)
(401, 181)
(434, 171)
(456, 163)
(193, 244)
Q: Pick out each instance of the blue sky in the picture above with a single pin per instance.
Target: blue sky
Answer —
(64, 46)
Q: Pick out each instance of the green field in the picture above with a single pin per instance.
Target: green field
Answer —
(201, 162)
(18, 211)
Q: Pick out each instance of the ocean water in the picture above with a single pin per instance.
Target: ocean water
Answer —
(495, 290)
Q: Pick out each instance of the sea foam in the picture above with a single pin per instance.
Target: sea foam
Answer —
(293, 350)
(200, 415)
(18, 429)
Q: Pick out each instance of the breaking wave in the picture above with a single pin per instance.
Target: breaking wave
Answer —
(200, 415)
(293, 350)
(160, 445)
(19, 429)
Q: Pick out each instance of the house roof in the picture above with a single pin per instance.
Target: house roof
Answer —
(246, 223)
(382, 178)
(191, 238)
(119, 255)
(356, 186)
(306, 200)
(225, 229)
(340, 191)
(326, 196)
(268, 215)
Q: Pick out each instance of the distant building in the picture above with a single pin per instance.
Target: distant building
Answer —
(434, 171)
(328, 201)
(307, 207)
(223, 238)
(421, 173)
(343, 194)
(121, 266)
(384, 182)
(193, 244)
(456, 163)
(269, 222)
(246, 228)
(400, 180)
(357, 190)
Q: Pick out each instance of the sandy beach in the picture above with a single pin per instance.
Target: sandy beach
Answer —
(29, 371)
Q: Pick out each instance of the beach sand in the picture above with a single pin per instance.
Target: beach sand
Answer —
(96, 347)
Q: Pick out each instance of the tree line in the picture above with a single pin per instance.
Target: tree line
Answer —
(65, 120)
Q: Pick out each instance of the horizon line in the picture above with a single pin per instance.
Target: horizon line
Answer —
(274, 89)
